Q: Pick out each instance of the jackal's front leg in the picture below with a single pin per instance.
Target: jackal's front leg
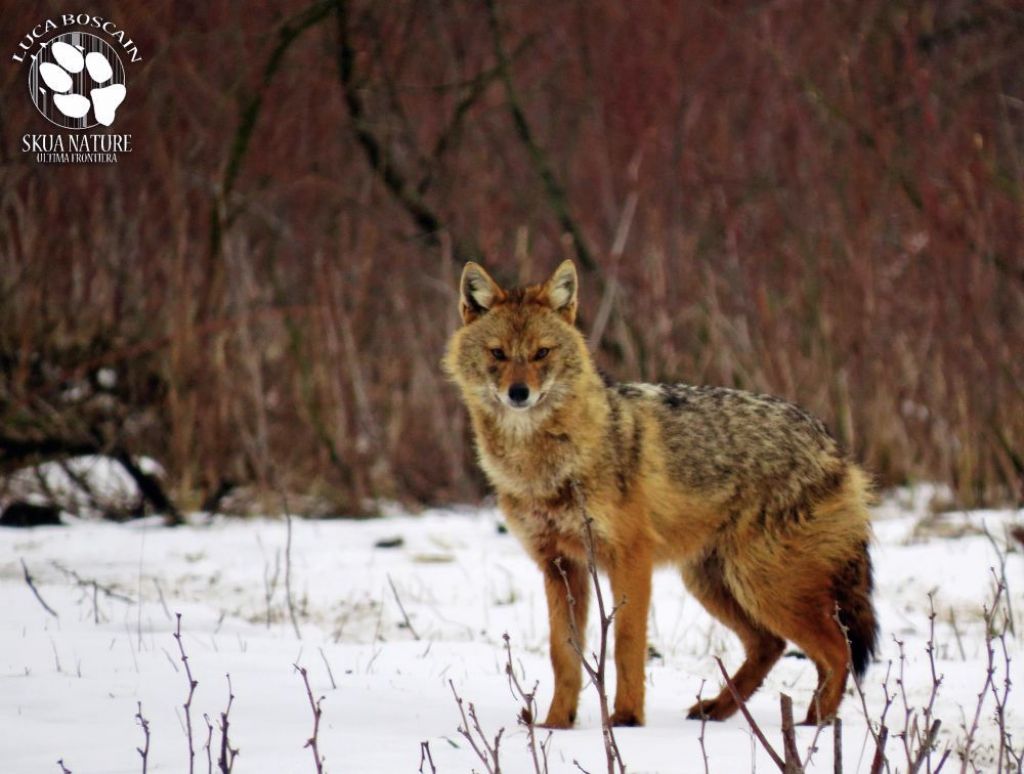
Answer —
(565, 660)
(630, 575)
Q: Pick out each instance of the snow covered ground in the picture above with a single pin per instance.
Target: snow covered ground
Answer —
(70, 684)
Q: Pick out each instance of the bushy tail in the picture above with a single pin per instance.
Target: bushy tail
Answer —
(853, 587)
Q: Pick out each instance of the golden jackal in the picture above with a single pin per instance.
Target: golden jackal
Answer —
(747, 494)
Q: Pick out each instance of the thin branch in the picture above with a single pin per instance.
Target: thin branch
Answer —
(556, 194)
(878, 762)
(489, 754)
(596, 671)
(813, 746)
(837, 745)
(927, 744)
(1005, 741)
(528, 713)
(882, 734)
(287, 33)
(426, 758)
(1001, 555)
(209, 744)
(226, 761)
(31, 585)
(405, 615)
(330, 674)
(192, 683)
(270, 584)
(144, 725)
(314, 741)
(613, 287)
(288, 565)
(475, 88)
(394, 179)
(956, 633)
(989, 619)
(160, 596)
(925, 749)
(791, 764)
(703, 728)
(750, 718)
(91, 583)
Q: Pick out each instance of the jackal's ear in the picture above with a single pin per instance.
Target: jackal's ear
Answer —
(477, 292)
(561, 289)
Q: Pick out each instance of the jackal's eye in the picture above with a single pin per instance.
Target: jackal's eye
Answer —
(541, 353)
(498, 354)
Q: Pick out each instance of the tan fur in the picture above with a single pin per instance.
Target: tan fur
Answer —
(747, 494)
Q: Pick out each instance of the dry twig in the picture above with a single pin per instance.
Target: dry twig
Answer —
(878, 762)
(160, 596)
(330, 674)
(401, 607)
(192, 683)
(209, 743)
(596, 670)
(791, 762)
(426, 758)
(486, 751)
(227, 753)
(703, 728)
(754, 727)
(288, 567)
(270, 584)
(882, 734)
(528, 713)
(557, 198)
(837, 746)
(31, 585)
(314, 741)
(989, 617)
(91, 584)
(144, 725)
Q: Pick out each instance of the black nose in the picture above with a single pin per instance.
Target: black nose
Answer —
(518, 393)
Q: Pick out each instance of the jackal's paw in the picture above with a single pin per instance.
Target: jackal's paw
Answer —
(558, 720)
(626, 718)
(812, 719)
(712, 709)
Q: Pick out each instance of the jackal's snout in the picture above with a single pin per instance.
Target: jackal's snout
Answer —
(519, 395)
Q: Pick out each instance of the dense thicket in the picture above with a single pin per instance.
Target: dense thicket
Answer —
(818, 200)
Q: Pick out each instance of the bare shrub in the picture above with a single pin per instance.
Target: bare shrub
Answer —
(275, 281)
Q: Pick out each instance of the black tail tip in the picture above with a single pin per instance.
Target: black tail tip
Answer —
(853, 589)
(863, 646)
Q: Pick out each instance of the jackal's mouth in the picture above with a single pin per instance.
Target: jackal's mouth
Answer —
(523, 406)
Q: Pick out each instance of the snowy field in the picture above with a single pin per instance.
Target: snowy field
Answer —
(71, 682)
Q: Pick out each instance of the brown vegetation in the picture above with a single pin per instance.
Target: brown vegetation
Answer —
(821, 201)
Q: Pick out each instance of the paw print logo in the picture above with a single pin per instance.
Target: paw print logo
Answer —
(77, 81)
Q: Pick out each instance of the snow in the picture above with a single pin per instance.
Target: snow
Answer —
(70, 685)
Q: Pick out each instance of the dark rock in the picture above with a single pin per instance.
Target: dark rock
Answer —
(22, 514)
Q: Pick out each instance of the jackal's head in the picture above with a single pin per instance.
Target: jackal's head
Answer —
(518, 353)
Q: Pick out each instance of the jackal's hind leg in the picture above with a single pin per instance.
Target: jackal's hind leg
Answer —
(706, 582)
